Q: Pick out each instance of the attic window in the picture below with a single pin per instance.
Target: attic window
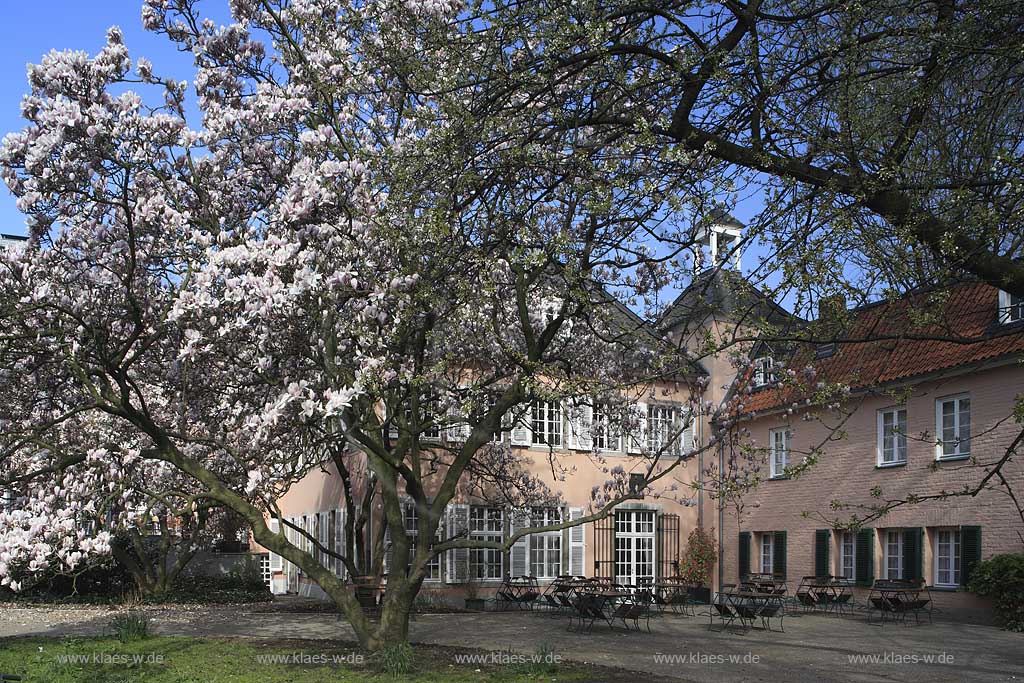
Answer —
(824, 350)
(1011, 308)
(764, 371)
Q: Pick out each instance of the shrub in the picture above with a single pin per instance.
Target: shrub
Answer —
(699, 557)
(1002, 578)
(130, 627)
(233, 588)
(396, 660)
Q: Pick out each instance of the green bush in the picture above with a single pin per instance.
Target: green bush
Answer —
(1002, 578)
(130, 627)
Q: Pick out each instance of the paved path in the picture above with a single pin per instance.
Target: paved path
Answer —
(813, 648)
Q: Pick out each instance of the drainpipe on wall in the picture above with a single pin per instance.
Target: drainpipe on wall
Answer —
(700, 465)
(721, 519)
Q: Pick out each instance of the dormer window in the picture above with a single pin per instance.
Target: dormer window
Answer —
(764, 371)
(824, 350)
(1011, 308)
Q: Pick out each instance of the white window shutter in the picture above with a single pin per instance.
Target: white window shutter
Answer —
(577, 544)
(636, 439)
(276, 561)
(325, 539)
(457, 562)
(578, 417)
(522, 431)
(520, 553)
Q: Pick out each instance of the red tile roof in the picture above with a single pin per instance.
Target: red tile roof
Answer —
(965, 332)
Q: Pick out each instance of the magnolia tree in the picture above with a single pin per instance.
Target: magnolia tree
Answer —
(334, 266)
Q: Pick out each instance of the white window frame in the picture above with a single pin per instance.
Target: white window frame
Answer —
(636, 547)
(767, 545)
(953, 553)
(546, 424)
(893, 539)
(486, 524)
(774, 471)
(604, 433)
(960, 441)
(764, 371)
(662, 424)
(545, 548)
(899, 437)
(411, 522)
(1011, 308)
(847, 568)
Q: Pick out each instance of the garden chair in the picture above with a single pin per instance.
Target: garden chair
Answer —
(724, 613)
(771, 610)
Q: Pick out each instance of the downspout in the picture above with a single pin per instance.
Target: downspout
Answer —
(721, 519)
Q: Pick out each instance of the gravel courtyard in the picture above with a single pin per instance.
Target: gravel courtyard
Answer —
(813, 648)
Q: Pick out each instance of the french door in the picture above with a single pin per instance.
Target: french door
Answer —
(634, 546)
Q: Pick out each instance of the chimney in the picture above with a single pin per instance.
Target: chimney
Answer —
(830, 324)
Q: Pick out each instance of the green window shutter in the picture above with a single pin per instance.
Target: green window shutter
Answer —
(744, 553)
(865, 557)
(779, 559)
(970, 552)
(821, 543)
(913, 539)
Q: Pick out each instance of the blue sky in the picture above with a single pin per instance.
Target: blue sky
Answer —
(34, 27)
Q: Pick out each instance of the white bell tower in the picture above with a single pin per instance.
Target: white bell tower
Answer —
(722, 239)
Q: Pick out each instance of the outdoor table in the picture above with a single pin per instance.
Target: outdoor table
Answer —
(898, 600)
(672, 594)
(750, 605)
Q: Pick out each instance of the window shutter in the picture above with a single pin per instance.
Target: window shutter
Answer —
(912, 555)
(779, 554)
(637, 438)
(744, 554)
(520, 553)
(457, 566)
(865, 557)
(339, 542)
(970, 552)
(324, 538)
(522, 433)
(276, 561)
(821, 543)
(579, 417)
(688, 439)
(577, 544)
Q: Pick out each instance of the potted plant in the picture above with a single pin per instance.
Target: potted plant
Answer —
(698, 562)
(473, 600)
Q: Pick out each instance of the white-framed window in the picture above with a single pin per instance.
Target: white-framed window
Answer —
(779, 452)
(265, 572)
(1011, 308)
(547, 423)
(894, 554)
(486, 524)
(545, 547)
(767, 553)
(603, 429)
(953, 426)
(847, 555)
(411, 520)
(661, 429)
(892, 436)
(947, 557)
(764, 371)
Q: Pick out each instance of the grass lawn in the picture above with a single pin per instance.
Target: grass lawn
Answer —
(194, 660)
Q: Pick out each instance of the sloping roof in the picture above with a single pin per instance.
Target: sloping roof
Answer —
(723, 293)
(721, 216)
(965, 332)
